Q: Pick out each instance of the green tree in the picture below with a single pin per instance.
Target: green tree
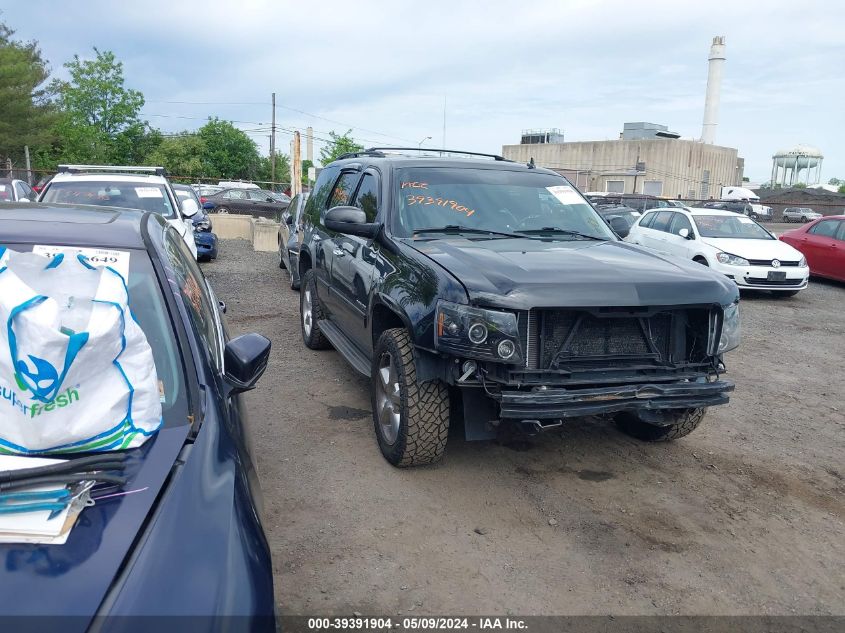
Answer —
(841, 189)
(228, 152)
(265, 170)
(100, 119)
(26, 112)
(181, 155)
(799, 185)
(836, 182)
(305, 165)
(338, 145)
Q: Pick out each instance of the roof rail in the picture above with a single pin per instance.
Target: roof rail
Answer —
(380, 150)
(68, 169)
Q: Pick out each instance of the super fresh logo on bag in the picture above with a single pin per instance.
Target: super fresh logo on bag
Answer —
(17, 399)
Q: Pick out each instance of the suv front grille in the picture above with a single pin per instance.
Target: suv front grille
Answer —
(574, 340)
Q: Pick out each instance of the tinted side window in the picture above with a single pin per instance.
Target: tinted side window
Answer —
(317, 199)
(647, 220)
(825, 228)
(680, 221)
(343, 190)
(194, 294)
(367, 197)
(661, 222)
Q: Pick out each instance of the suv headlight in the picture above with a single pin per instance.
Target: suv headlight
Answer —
(477, 333)
(733, 260)
(730, 329)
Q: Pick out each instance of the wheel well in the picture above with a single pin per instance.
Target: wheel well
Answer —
(304, 262)
(384, 319)
(700, 260)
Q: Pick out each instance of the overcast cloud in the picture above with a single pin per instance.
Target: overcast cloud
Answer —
(384, 68)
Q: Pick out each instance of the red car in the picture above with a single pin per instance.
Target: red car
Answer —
(822, 242)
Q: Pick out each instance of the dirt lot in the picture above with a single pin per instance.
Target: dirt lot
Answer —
(744, 516)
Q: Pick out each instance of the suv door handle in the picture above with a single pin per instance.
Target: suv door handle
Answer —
(339, 252)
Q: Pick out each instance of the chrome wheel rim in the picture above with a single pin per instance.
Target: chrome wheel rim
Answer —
(307, 319)
(388, 399)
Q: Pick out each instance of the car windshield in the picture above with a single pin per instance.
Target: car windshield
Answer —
(730, 226)
(497, 200)
(127, 195)
(151, 313)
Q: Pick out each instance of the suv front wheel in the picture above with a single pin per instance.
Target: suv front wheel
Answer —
(411, 420)
(676, 423)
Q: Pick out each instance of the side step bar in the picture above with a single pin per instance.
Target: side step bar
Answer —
(347, 349)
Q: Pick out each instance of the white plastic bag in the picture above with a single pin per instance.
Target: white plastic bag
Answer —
(76, 371)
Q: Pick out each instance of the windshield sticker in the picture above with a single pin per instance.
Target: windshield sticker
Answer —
(119, 260)
(746, 220)
(440, 202)
(148, 192)
(566, 194)
(415, 185)
(3, 187)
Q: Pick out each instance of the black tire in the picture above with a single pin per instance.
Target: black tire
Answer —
(681, 422)
(282, 253)
(783, 294)
(423, 409)
(700, 260)
(311, 334)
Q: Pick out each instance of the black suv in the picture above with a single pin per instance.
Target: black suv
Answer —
(490, 291)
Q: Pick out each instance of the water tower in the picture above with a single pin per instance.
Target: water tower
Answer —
(787, 165)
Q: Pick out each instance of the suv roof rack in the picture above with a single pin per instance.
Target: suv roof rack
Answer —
(72, 169)
(380, 152)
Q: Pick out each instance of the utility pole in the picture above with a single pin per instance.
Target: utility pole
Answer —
(273, 143)
(296, 167)
(309, 144)
(28, 165)
(636, 170)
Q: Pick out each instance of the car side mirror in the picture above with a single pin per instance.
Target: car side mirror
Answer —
(684, 233)
(620, 226)
(245, 359)
(189, 207)
(289, 220)
(351, 221)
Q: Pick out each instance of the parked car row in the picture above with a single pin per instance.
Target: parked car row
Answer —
(253, 201)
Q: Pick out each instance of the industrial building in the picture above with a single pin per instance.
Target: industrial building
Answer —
(646, 158)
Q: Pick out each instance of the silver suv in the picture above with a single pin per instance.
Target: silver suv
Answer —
(800, 214)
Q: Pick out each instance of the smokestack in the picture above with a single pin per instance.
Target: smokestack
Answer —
(714, 86)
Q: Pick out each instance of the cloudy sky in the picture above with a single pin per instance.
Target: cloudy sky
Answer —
(385, 68)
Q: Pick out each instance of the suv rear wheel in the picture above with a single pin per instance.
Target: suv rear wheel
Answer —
(310, 313)
(411, 420)
(676, 423)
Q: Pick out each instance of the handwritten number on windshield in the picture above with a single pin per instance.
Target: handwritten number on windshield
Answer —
(440, 202)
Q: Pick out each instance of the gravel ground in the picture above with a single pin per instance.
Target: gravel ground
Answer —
(744, 516)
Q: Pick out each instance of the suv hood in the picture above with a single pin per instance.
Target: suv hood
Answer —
(528, 273)
(754, 249)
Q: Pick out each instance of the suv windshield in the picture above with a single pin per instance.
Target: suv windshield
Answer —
(491, 200)
(128, 195)
(730, 226)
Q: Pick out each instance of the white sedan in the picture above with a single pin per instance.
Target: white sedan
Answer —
(729, 243)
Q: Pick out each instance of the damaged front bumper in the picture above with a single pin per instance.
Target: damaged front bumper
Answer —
(553, 402)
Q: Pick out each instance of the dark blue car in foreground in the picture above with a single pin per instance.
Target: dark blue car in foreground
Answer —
(187, 540)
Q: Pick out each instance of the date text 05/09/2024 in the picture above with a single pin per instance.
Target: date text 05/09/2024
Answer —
(427, 623)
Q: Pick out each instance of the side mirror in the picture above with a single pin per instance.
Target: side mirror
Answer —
(620, 226)
(684, 233)
(189, 207)
(245, 359)
(208, 205)
(351, 221)
(289, 220)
